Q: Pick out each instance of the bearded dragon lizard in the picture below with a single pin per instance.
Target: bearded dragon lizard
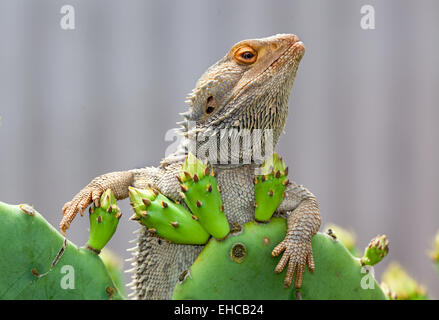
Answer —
(248, 89)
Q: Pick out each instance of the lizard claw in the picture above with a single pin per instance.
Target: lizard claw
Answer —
(66, 205)
(79, 203)
(118, 182)
(297, 254)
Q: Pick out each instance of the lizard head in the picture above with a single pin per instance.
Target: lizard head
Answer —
(248, 89)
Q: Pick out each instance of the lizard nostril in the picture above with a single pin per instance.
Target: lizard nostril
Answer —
(273, 46)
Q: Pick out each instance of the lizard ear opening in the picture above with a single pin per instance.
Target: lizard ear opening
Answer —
(210, 106)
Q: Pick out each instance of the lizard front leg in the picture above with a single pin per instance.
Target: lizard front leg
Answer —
(303, 216)
(118, 182)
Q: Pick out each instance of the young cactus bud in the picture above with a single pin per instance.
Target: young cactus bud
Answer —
(202, 196)
(375, 251)
(270, 187)
(401, 285)
(103, 221)
(168, 219)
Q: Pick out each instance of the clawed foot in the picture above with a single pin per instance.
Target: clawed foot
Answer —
(118, 182)
(79, 203)
(297, 254)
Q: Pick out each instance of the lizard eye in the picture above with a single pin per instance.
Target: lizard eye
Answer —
(246, 55)
(210, 106)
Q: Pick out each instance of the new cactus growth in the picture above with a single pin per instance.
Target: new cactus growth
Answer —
(400, 285)
(201, 194)
(241, 267)
(103, 221)
(270, 187)
(375, 251)
(166, 218)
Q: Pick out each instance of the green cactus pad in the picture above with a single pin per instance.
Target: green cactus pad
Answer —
(103, 221)
(270, 187)
(241, 268)
(168, 219)
(29, 245)
(201, 194)
(377, 249)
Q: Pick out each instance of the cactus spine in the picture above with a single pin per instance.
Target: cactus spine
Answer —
(346, 237)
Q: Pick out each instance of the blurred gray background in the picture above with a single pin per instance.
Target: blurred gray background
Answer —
(362, 133)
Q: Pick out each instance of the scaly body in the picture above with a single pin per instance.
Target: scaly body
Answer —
(246, 90)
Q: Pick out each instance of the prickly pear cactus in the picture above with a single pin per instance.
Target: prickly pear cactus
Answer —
(103, 221)
(29, 270)
(400, 286)
(168, 219)
(270, 187)
(377, 249)
(241, 267)
(200, 192)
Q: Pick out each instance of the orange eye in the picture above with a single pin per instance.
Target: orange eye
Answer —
(246, 55)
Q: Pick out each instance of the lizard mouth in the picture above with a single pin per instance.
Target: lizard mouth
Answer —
(294, 51)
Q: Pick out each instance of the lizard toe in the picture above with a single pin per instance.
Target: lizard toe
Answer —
(298, 255)
(65, 207)
(278, 249)
(300, 271)
(310, 262)
(69, 212)
(95, 196)
(290, 273)
(84, 202)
